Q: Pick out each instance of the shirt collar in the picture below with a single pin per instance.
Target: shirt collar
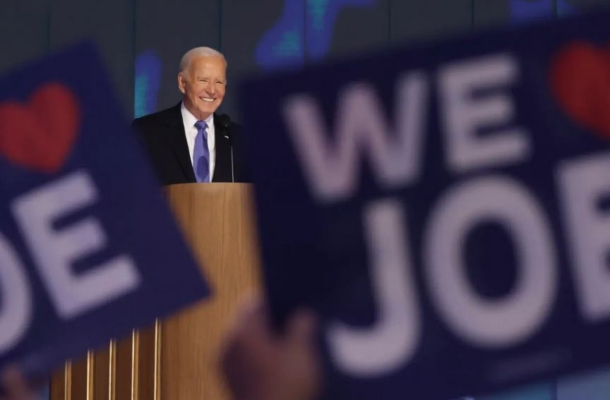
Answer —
(190, 120)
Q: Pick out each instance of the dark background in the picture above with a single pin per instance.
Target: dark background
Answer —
(143, 40)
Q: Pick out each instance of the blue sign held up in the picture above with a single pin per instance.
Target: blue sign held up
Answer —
(443, 208)
(88, 247)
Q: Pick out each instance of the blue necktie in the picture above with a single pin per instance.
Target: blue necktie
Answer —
(201, 154)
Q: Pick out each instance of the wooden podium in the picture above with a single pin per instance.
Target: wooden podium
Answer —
(176, 359)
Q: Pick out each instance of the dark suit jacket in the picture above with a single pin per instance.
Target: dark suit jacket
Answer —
(163, 137)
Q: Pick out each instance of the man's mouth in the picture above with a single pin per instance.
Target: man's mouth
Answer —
(207, 99)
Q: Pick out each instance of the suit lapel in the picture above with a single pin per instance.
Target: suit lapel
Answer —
(222, 170)
(177, 142)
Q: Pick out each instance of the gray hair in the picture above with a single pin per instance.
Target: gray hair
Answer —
(190, 55)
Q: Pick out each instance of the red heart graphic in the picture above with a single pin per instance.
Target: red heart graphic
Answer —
(580, 80)
(39, 135)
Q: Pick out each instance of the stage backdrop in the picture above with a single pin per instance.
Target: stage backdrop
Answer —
(142, 41)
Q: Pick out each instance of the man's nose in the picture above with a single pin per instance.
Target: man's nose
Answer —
(211, 88)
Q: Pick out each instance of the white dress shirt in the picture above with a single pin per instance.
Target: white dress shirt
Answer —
(189, 121)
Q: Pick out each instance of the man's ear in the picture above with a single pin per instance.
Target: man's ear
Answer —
(181, 82)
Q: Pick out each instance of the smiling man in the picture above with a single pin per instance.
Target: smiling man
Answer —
(190, 142)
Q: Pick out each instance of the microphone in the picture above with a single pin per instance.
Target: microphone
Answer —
(224, 121)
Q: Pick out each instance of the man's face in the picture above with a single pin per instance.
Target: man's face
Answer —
(203, 85)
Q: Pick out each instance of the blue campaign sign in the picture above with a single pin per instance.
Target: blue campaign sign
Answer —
(88, 246)
(444, 208)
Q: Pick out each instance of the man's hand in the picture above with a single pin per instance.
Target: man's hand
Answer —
(259, 364)
(15, 386)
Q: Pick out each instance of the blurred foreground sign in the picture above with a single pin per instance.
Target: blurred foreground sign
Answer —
(88, 247)
(446, 208)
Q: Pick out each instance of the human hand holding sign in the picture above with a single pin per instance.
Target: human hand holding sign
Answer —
(259, 364)
(15, 386)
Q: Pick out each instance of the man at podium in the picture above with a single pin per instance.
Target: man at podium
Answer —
(189, 142)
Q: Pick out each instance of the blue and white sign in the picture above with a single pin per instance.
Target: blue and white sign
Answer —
(88, 247)
(445, 208)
